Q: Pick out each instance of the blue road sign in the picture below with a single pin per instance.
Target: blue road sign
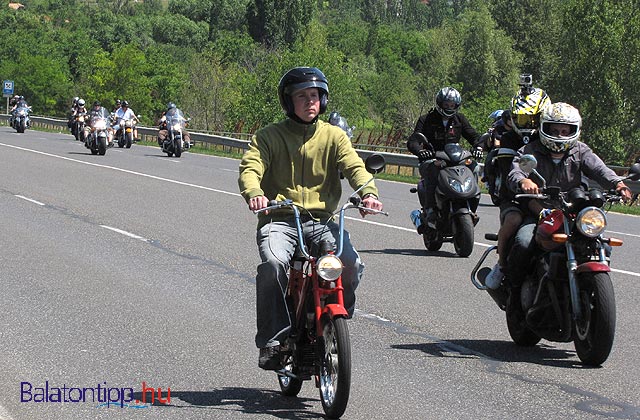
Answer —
(7, 88)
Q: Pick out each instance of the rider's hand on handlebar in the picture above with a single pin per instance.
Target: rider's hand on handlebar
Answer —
(370, 201)
(258, 203)
(623, 191)
(529, 187)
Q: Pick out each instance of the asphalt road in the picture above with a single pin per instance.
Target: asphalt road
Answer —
(134, 268)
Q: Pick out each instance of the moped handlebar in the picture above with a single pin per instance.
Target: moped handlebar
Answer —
(354, 202)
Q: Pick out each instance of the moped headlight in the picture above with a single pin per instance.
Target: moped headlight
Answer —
(461, 187)
(329, 267)
(591, 222)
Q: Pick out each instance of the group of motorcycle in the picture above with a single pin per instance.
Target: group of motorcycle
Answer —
(569, 296)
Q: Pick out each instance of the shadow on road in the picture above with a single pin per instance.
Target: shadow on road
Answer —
(409, 251)
(503, 351)
(243, 400)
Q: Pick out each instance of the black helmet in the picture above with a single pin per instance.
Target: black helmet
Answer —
(302, 78)
(96, 103)
(125, 104)
(170, 105)
(118, 102)
(448, 94)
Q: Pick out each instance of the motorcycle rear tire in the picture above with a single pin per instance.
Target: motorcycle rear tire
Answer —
(432, 240)
(289, 386)
(335, 367)
(463, 235)
(594, 335)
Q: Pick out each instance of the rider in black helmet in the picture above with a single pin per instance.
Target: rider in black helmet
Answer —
(298, 158)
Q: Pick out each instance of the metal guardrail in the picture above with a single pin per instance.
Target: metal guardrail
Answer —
(394, 159)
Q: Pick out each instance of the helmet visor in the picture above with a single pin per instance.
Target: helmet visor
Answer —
(526, 120)
(559, 130)
(305, 85)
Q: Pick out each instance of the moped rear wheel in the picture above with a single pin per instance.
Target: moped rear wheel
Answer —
(335, 367)
(289, 386)
(595, 332)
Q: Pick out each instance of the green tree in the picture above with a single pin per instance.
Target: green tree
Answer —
(278, 23)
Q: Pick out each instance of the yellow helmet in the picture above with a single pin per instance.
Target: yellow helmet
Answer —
(526, 109)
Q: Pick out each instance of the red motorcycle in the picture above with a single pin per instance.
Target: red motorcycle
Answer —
(318, 344)
(569, 295)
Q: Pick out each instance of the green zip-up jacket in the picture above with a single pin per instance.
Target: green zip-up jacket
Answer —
(290, 160)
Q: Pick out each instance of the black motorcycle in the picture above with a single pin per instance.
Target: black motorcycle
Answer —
(457, 199)
(568, 295)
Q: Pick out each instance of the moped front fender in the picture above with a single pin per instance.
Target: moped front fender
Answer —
(334, 310)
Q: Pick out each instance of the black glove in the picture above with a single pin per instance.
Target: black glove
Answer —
(477, 153)
(425, 154)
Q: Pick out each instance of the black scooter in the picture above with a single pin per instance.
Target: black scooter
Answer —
(457, 199)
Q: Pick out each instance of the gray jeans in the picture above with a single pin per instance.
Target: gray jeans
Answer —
(277, 242)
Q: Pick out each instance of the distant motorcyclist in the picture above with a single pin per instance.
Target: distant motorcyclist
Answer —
(163, 132)
(125, 113)
(98, 109)
(441, 125)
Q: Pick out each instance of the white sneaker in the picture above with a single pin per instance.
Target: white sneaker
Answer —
(494, 278)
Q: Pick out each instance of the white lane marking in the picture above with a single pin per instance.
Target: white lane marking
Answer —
(631, 273)
(124, 232)
(30, 199)
(622, 233)
(122, 170)
(164, 159)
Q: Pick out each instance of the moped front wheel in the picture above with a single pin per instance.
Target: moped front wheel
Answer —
(463, 235)
(289, 386)
(335, 367)
(594, 333)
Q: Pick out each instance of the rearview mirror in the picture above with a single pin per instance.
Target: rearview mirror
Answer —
(528, 163)
(634, 172)
(375, 163)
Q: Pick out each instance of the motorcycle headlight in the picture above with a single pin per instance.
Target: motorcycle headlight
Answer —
(461, 187)
(591, 222)
(177, 126)
(329, 267)
(100, 125)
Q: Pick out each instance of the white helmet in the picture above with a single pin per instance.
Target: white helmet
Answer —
(81, 102)
(559, 113)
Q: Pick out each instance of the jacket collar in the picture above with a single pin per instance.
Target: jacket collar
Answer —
(301, 129)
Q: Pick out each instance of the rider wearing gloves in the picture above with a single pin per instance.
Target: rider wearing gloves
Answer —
(526, 107)
(563, 161)
(298, 158)
(441, 125)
